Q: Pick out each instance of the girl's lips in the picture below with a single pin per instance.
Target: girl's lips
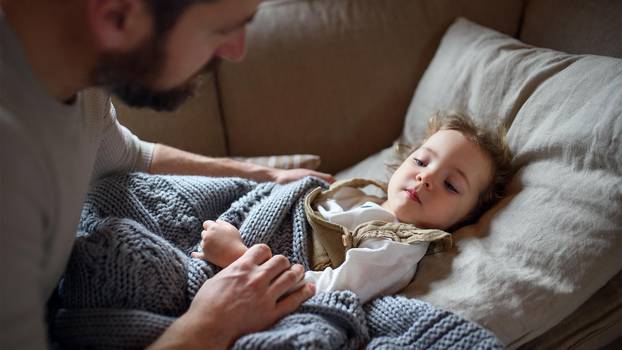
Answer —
(413, 195)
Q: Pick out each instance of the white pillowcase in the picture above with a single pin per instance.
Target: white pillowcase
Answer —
(557, 238)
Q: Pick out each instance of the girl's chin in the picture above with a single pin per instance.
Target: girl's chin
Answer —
(407, 219)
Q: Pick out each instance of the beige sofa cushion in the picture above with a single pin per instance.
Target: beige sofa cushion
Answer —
(339, 71)
(575, 26)
(556, 239)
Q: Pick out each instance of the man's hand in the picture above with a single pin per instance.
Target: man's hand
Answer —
(247, 296)
(169, 160)
(283, 176)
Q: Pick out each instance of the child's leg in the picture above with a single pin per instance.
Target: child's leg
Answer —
(221, 243)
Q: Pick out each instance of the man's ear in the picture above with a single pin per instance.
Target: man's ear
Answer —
(118, 25)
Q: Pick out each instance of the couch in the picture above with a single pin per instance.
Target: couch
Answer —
(336, 78)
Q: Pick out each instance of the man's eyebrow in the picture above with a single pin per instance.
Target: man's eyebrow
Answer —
(239, 24)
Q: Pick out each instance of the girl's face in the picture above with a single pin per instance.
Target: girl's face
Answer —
(439, 183)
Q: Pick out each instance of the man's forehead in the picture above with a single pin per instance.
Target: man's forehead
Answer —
(238, 25)
(220, 13)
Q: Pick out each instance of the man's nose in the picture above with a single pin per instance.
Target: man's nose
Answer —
(234, 47)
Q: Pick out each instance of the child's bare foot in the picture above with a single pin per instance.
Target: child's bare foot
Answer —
(221, 243)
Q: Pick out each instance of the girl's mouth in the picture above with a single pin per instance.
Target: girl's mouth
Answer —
(413, 195)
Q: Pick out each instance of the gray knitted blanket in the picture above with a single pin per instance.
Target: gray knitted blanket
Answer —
(130, 274)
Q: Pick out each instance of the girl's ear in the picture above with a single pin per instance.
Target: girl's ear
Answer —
(118, 25)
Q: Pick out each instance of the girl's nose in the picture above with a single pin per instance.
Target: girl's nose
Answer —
(425, 179)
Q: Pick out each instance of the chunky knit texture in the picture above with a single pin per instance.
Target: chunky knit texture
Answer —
(130, 274)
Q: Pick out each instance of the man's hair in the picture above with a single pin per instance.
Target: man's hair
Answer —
(491, 141)
(127, 74)
(166, 12)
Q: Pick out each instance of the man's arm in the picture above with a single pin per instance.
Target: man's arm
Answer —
(247, 296)
(122, 151)
(169, 160)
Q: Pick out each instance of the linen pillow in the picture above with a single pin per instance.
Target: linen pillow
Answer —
(556, 238)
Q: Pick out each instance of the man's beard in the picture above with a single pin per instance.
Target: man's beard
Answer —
(128, 75)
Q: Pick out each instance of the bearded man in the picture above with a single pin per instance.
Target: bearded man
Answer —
(59, 62)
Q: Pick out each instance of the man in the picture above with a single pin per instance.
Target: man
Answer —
(55, 137)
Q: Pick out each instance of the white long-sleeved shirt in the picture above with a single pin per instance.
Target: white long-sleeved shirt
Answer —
(49, 152)
(377, 266)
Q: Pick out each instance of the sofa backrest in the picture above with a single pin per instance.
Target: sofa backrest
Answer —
(328, 77)
(335, 77)
(574, 26)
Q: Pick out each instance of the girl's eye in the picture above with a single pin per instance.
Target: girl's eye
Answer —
(419, 162)
(450, 187)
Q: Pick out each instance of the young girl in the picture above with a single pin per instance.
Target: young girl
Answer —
(371, 245)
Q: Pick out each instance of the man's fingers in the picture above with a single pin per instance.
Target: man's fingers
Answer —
(197, 255)
(330, 179)
(275, 266)
(286, 280)
(257, 254)
(326, 177)
(291, 302)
